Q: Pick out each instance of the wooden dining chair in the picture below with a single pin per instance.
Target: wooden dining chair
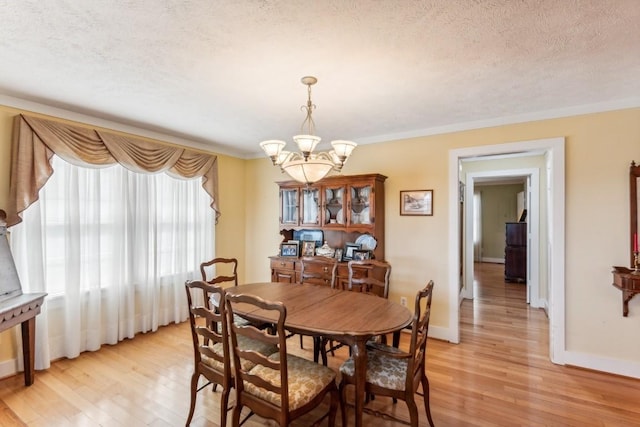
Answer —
(318, 270)
(223, 272)
(220, 271)
(395, 373)
(211, 349)
(367, 276)
(281, 387)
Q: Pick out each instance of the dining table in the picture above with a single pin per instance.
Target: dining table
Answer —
(346, 316)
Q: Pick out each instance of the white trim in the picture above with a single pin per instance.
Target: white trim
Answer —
(493, 260)
(8, 368)
(556, 250)
(454, 247)
(554, 149)
(507, 120)
(627, 368)
(437, 332)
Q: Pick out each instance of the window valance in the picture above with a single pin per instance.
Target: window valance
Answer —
(36, 140)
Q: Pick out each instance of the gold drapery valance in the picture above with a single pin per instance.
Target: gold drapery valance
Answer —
(36, 140)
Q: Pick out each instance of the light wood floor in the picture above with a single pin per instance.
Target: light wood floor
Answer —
(500, 375)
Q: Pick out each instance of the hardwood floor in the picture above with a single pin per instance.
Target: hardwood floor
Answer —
(500, 375)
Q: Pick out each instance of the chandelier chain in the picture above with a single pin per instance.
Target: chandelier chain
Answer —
(311, 126)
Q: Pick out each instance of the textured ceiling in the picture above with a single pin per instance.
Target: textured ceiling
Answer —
(226, 74)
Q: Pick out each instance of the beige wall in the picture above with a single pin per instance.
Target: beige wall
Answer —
(599, 149)
(7, 338)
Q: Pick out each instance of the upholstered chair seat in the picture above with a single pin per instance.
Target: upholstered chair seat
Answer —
(306, 380)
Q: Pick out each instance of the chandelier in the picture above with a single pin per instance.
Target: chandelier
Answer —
(306, 166)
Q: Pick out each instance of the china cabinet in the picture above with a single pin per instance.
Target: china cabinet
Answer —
(343, 208)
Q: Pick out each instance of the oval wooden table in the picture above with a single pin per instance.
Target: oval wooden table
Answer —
(349, 317)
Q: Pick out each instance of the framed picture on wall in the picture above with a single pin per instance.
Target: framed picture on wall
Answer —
(416, 202)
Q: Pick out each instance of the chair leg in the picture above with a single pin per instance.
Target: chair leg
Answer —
(425, 396)
(396, 339)
(323, 352)
(413, 410)
(319, 350)
(343, 403)
(301, 346)
(235, 418)
(335, 400)
(194, 391)
(224, 407)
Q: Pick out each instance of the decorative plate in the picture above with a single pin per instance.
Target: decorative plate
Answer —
(367, 242)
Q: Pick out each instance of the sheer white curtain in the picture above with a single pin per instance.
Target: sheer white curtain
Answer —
(113, 249)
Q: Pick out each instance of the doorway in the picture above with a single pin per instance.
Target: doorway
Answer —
(530, 178)
(499, 236)
(552, 238)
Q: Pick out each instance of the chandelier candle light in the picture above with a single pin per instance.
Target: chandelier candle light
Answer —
(306, 166)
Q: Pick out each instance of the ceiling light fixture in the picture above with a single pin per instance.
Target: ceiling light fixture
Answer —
(306, 166)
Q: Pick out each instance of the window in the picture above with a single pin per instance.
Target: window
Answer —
(112, 248)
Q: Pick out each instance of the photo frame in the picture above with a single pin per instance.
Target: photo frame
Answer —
(361, 254)
(347, 254)
(289, 250)
(338, 254)
(416, 202)
(308, 248)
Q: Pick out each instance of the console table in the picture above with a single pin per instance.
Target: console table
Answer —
(629, 283)
(17, 307)
(22, 309)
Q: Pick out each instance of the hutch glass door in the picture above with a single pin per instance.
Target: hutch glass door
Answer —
(289, 206)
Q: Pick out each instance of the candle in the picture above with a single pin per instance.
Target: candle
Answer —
(635, 242)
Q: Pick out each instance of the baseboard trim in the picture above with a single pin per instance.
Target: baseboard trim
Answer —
(493, 260)
(439, 333)
(8, 368)
(625, 368)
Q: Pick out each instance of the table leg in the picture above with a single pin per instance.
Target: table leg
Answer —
(359, 355)
(28, 348)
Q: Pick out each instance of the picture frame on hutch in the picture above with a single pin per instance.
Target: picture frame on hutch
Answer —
(289, 250)
(361, 254)
(308, 247)
(347, 254)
